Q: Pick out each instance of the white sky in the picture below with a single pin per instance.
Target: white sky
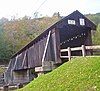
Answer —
(20, 8)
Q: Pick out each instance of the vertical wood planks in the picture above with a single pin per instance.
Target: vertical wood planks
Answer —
(56, 45)
(25, 61)
(30, 57)
(45, 50)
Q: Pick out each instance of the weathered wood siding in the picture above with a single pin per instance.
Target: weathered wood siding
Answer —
(56, 45)
(20, 76)
(19, 61)
(73, 36)
(32, 57)
(8, 76)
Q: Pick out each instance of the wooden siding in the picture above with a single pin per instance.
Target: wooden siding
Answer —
(20, 76)
(19, 61)
(76, 15)
(56, 45)
(8, 76)
(32, 57)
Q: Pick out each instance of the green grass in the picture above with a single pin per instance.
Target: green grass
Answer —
(79, 74)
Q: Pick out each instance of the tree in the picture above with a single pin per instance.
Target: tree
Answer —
(96, 37)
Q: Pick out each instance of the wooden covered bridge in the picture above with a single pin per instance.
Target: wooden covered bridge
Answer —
(43, 53)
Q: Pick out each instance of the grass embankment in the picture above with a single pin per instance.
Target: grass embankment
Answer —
(79, 74)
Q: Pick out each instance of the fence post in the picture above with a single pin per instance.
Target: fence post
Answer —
(83, 51)
(69, 53)
(5, 88)
(20, 85)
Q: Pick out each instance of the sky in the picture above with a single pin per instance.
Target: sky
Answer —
(20, 8)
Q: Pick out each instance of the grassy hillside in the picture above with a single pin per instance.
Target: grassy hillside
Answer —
(80, 74)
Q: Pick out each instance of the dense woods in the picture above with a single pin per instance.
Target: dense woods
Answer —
(96, 19)
(16, 33)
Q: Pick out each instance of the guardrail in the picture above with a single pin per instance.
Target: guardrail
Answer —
(83, 48)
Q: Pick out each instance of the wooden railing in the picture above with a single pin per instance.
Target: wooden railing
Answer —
(83, 48)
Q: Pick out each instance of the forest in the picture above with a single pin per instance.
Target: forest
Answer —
(16, 33)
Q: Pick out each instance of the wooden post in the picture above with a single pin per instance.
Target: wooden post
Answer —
(5, 88)
(20, 85)
(83, 51)
(16, 61)
(69, 53)
(40, 73)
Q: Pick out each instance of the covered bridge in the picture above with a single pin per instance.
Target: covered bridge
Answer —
(43, 53)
